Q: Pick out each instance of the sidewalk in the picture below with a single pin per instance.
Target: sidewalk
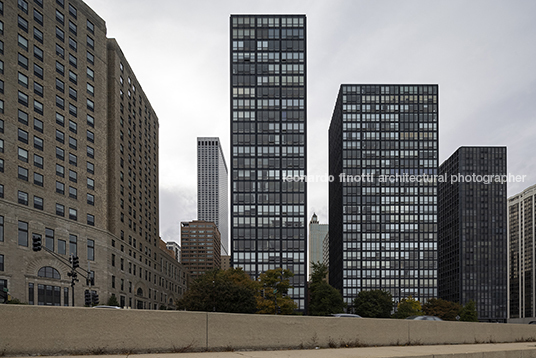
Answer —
(503, 350)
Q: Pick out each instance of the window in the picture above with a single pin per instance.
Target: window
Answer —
(49, 239)
(73, 160)
(90, 220)
(72, 44)
(90, 250)
(38, 143)
(23, 233)
(38, 107)
(60, 136)
(72, 245)
(38, 53)
(90, 42)
(38, 35)
(90, 89)
(38, 179)
(72, 28)
(90, 58)
(73, 215)
(90, 105)
(60, 18)
(60, 35)
(90, 184)
(60, 153)
(23, 24)
(38, 161)
(73, 93)
(60, 51)
(38, 202)
(60, 86)
(23, 154)
(23, 42)
(72, 77)
(60, 119)
(73, 111)
(38, 71)
(60, 102)
(23, 197)
(60, 170)
(90, 74)
(23, 117)
(73, 193)
(90, 121)
(48, 295)
(60, 188)
(90, 199)
(72, 61)
(90, 152)
(1, 262)
(38, 90)
(23, 5)
(90, 27)
(72, 11)
(60, 68)
(60, 210)
(90, 136)
(38, 17)
(23, 61)
(38, 125)
(62, 247)
(23, 173)
(23, 80)
(1, 146)
(1, 228)
(23, 99)
(90, 168)
(72, 176)
(73, 127)
(72, 143)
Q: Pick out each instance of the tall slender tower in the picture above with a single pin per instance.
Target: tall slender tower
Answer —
(268, 144)
(383, 233)
(212, 203)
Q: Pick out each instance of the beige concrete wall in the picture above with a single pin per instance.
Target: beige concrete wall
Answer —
(67, 330)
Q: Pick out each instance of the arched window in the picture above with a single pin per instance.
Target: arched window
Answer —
(48, 272)
(139, 292)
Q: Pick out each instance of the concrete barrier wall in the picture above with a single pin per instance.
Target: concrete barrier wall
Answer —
(35, 330)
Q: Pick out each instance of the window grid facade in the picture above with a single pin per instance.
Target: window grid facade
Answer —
(472, 235)
(383, 233)
(268, 143)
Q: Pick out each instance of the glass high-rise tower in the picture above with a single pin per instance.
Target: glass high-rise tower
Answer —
(268, 144)
(212, 174)
(383, 224)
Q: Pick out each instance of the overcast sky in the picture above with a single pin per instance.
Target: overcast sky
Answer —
(481, 53)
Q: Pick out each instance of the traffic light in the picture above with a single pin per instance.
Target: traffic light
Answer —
(87, 296)
(76, 262)
(95, 298)
(36, 242)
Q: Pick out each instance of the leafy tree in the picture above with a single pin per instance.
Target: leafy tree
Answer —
(325, 299)
(273, 289)
(468, 312)
(408, 307)
(446, 310)
(374, 304)
(230, 291)
(112, 301)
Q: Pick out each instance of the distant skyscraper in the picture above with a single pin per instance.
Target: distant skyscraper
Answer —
(317, 233)
(522, 260)
(212, 204)
(268, 144)
(200, 245)
(472, 239)
(383, 234)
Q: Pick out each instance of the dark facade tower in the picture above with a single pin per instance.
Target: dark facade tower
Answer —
(382, 224)
(268, 143)
(472, 231)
